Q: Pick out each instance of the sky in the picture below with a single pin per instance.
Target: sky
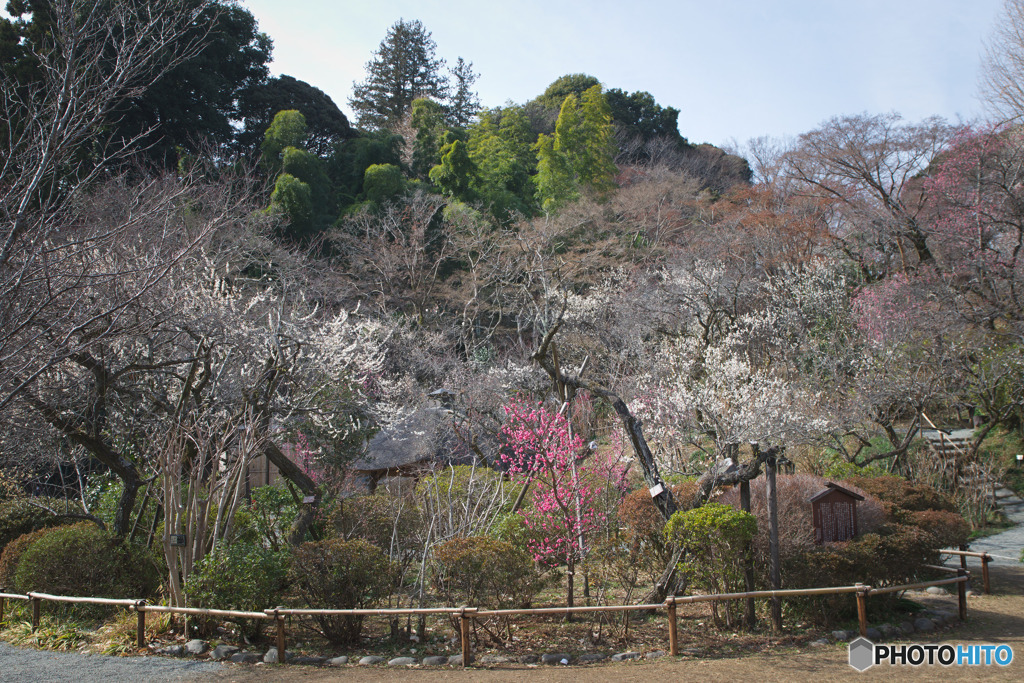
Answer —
(736, 69)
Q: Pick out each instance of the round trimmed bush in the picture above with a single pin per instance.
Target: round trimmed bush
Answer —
(13, 551)
(241, 576)
(339, 574)
(83, 560)
(484, 571)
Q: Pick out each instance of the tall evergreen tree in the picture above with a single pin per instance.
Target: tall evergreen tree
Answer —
(464, 103)
(402, 69)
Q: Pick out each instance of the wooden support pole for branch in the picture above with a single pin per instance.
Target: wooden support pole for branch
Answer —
(961, 593)
(464, 636)
(673, 633)
(774, 569)
(985, 559)
(862, 611)
(36, 602)
(750, 615)
(281, 656)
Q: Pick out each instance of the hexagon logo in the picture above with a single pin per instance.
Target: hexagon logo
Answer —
(862, 654)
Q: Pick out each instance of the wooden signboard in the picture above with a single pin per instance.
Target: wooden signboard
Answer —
(834, 511)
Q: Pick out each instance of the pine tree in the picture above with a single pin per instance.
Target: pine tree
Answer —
(464, 103)
(402, 69)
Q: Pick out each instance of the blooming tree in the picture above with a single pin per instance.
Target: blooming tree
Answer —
(539, 447)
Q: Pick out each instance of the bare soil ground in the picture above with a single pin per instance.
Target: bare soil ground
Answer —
(996, 618)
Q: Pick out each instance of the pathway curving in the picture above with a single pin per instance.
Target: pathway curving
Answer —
(1005, 546)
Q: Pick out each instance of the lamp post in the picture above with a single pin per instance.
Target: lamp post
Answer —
(1020, 459)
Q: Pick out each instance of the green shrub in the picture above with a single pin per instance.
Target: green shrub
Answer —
(83, 560)
(715, 539)
(339, 574)
(13, 551)
(241, 576)
(511, 528)
(18, 517)
(485, 572)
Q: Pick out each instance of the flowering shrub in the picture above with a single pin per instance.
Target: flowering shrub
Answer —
(538, 447)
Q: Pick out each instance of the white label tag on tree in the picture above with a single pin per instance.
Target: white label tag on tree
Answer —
(657, 490)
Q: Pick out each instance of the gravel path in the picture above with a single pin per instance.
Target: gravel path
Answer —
(42, 666)
(1005, 546)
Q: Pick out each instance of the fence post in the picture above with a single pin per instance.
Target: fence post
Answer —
(140, 636)
(985, 559)
(2, 610)
(282, 657)
(35, 613)
(961, 593)
(963, 558)
(464, 637)
(673, 633)
(862, 608)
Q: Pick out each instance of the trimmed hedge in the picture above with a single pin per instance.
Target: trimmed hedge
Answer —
(13, 551)
(83, 560)
(339, 574)
(483, 571)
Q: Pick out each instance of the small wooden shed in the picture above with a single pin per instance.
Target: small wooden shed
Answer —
(834, 511)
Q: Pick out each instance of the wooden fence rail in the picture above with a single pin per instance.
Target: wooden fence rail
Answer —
(467, 614)
(964, 554)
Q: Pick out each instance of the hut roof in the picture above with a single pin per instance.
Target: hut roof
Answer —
(830, 487)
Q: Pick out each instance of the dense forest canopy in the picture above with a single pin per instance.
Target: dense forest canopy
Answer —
(193, 252)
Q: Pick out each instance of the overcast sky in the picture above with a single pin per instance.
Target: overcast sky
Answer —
(736, 69)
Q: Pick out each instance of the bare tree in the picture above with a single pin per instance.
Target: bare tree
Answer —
(53, 152)
(1002, 79)
(868, 167)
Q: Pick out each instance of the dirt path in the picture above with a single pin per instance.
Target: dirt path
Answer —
(996, 618)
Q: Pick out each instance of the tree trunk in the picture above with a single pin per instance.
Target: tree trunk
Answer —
(750, 616)
(773, 543)
(291, 472)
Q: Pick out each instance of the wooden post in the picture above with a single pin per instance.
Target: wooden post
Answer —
(36, 602)
(750, 616)
(140, 636)
(963, 558)
(774, 571)
(985, 559)
(862, 610)
(961, 592)
(2, 610)
(464, 637)
(673, 633)
(282, 658)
